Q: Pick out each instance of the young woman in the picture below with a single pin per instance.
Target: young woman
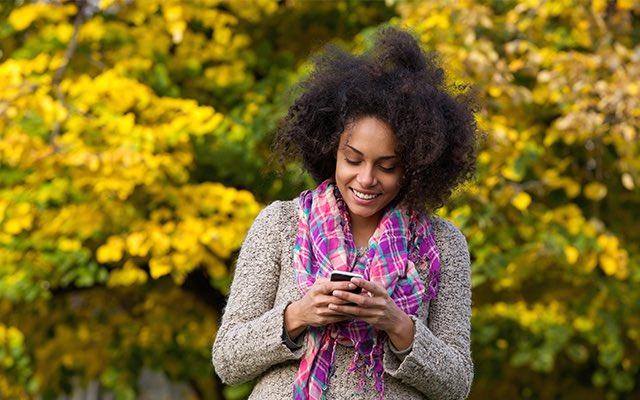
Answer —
(386, 144)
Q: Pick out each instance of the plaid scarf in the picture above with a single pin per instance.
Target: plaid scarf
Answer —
(325, 243)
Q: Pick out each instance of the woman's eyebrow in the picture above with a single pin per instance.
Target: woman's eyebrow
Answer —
(362, 154)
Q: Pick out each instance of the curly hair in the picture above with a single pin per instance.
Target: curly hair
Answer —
(436, 132)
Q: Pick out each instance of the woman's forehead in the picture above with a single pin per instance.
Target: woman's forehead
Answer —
(369, 138)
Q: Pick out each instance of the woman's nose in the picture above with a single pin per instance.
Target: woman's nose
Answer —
(366, 177)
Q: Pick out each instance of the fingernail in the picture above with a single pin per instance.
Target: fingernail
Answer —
(352, 286)
(334, 292)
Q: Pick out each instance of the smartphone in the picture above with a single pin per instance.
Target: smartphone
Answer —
(341, 276)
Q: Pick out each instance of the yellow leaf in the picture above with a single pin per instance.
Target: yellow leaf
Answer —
(572, 254)
(104, 4)
(599, 5)
(129, 275)
(574, 224)
(595, 191)
(21, 219)
(67, 360)
(159, 267)
(491, 181)
(161, 242)
(608, 264)
(111, 251)
(624, 4)
(174, 17)
(17, 225)
(509, 172)
(582, 324)
(550, 137)
(590, 262)
(184, 241)
(181, 261)
(65, 244)
(495, 91)
(516, 65)
(571, 187)
(137, 244)
(608, 243)
(484, 157)
(623, 265)
(521, 201)
(627, 181)
(84, 334)
(63, 32)
(589, 229)
(23, 16)
(15, 337)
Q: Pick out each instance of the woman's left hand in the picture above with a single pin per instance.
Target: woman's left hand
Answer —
(379, 310)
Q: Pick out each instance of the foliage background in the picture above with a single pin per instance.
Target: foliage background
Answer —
(134, 148)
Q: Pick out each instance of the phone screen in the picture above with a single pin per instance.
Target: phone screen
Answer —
(338, 277)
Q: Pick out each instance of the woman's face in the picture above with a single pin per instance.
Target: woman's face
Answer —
(368, 172)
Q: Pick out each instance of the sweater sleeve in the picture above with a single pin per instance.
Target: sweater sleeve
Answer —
(439, 363)
(249, 339)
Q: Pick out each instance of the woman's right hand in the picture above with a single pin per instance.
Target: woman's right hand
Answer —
(312, 309)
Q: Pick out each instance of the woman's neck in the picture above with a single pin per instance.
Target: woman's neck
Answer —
(363, 228)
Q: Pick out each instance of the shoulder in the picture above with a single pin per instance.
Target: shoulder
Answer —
(449, 238)
(289, 209)
(443, 228)
(268, 216)
(279, 215)
(279, 211)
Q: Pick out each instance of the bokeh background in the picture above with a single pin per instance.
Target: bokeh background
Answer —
(134, 155)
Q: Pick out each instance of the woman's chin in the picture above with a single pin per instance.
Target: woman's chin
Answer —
(363, 212)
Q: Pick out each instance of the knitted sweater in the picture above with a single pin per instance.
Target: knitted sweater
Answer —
(249, 342)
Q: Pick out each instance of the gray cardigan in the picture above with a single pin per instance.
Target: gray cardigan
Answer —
(249, 342)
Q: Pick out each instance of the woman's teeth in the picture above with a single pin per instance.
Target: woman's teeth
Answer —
(365, 196)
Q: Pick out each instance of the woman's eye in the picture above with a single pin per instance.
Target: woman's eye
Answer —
(385, 169)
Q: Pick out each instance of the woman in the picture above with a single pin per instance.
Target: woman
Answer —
(386, 145)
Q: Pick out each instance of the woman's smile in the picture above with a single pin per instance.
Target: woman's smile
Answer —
(364, 198)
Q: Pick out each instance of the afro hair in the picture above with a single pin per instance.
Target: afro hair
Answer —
(396, 82)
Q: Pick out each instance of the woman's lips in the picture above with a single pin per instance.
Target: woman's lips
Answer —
(360, 201)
